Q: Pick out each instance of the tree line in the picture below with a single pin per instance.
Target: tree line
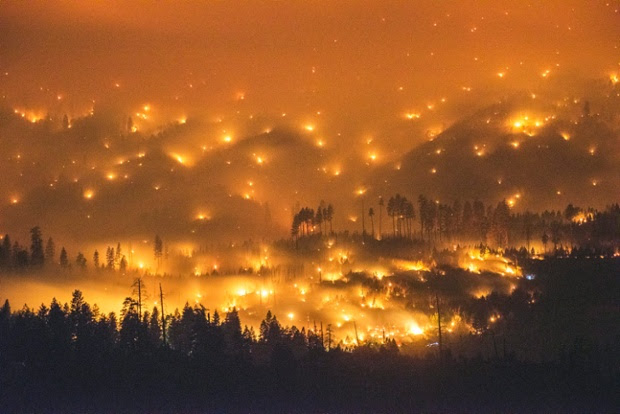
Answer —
(476, 222)
(15, 256)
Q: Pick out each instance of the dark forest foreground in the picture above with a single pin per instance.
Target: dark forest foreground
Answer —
(70, 358)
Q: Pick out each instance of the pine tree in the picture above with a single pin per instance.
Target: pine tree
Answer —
(37, 257)
(109, 258)
(50, 251)
(5, 252)
(117, 255)
(158, 250)
(381, 204)
(123, 265)
(80, 261)
(96, 259)
(64, 260)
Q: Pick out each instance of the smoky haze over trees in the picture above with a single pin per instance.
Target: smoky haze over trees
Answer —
(447, 100)
(143, 359)
(368, 206)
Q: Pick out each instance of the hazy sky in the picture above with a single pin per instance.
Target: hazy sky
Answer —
(359, 84)
(350, 57)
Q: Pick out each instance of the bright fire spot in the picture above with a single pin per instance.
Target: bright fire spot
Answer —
(582, 217)
(182, 120)
(89, 194)
(414, 329)
(515, 144)
(111, 176)
(411, 265)
(179, 158)
(614, 78)
(227, 138)
(501, 74)
(412, 115)
(14, 200)
(309, 127)
(565, 135)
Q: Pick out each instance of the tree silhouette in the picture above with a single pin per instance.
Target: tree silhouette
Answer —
(96, 263)
(527, 228)
(500, 223)
(381, 204)
(318, 219)
(21, 258)
(5, 252)
(80, 261)
(122, 266)
(409, 214)
(64, 259)
(109, 258)
(391, 211)
(117, 255)
(158, 250)
(50, 251)
(545, 240)
(295, 230)
(555, 234)
(423, 209)
(37, 257)
(330, 216)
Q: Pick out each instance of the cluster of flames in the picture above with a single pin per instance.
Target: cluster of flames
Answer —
(359, 300)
